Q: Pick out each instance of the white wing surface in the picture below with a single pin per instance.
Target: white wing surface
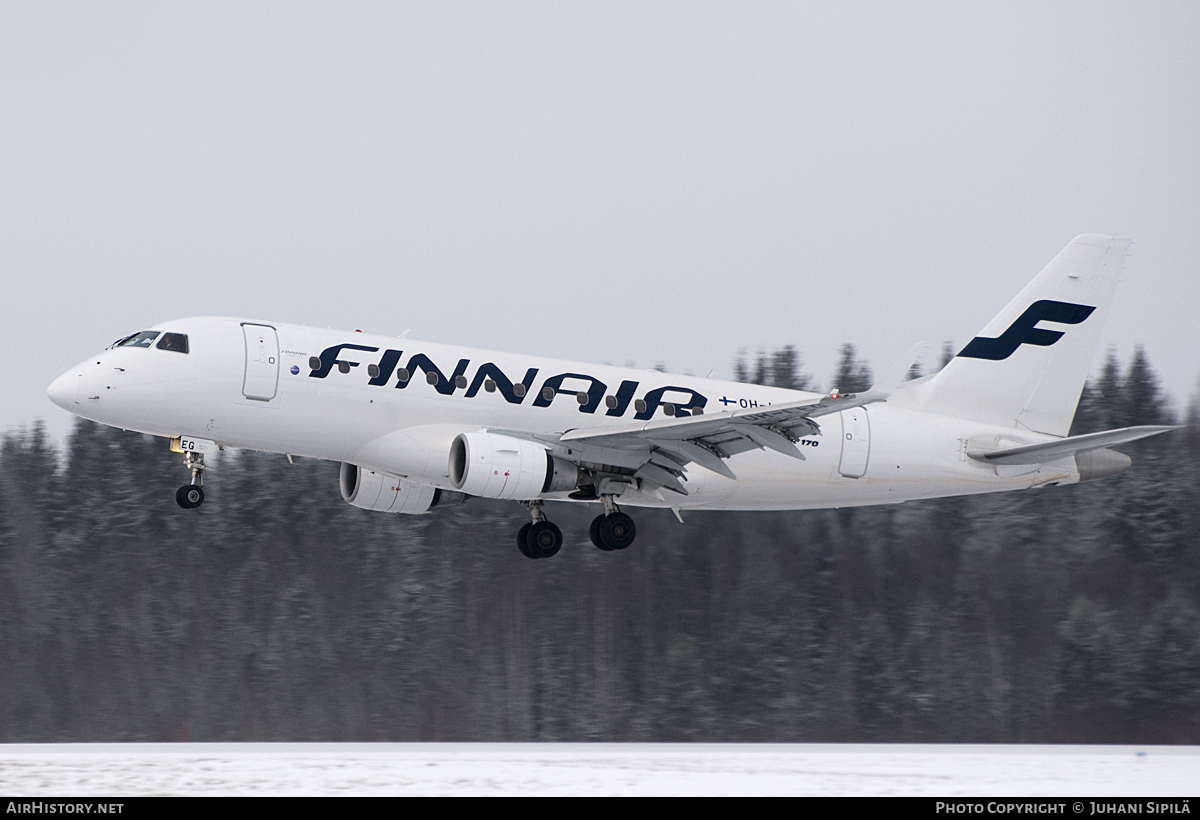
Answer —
(657, 452)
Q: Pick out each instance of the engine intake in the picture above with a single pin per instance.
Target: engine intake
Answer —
(495, 466)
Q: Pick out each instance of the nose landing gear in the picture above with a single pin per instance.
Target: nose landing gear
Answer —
(190, 496)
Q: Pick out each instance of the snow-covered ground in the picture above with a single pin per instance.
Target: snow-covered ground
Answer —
(127, 770)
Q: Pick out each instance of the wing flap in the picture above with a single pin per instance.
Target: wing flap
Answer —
(697, 453)
(660, 478)
(766, 437)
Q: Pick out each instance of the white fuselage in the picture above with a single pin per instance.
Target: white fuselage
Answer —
(252, 385)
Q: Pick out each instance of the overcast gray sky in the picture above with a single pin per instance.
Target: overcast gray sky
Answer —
(608, 182)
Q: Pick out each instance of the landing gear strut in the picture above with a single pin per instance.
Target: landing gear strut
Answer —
(190, 496)
(539, 538)
(613, 530)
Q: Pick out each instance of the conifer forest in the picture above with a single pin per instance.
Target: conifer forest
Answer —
(277, 612)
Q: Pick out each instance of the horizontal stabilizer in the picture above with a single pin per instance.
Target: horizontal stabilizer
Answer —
(1050, 450)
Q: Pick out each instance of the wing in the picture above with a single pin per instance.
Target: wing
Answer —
(656, 453)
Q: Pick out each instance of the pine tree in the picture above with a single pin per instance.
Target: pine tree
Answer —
(1109, 393)
(1089, 660)
(874, 674)
(1170, 656)
(914, 680)
(947, 354)
(852, 376)
(785, 369)
(761, 368)
(1142, 400)
(779, 368)
(684, 709)
(741, 371)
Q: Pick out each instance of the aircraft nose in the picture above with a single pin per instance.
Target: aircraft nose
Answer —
(64, 391)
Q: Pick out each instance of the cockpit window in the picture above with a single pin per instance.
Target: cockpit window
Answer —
(173, 341)
(143, 339)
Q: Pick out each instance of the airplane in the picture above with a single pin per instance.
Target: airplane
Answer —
(418, 425)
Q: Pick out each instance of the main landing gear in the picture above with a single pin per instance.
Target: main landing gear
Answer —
(612, 530)
(539, 538)
(190, 496)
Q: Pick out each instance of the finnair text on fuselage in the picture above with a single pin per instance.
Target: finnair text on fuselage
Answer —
(589, 392)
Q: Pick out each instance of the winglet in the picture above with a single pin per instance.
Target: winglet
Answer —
(892, 378)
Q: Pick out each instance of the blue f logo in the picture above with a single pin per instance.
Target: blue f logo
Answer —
(1023, 330)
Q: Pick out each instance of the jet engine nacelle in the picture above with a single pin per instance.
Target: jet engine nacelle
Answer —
(495, 466)
(1093, 464)
(383, 492)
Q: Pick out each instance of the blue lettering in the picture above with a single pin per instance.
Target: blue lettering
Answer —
(595, 393)
(442, 384)
(386, 365)
(624, 396)
(329, 357)
(490, 376)
(654, 399)
(503, 383)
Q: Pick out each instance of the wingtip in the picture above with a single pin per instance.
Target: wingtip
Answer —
(893, 377)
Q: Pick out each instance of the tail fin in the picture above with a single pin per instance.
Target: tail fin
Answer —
(1018, 374)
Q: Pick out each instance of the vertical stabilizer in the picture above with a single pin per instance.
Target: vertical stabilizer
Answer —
(1027, 367)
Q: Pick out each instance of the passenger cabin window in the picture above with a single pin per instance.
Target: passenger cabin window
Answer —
(143, 339)
(173, 341)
